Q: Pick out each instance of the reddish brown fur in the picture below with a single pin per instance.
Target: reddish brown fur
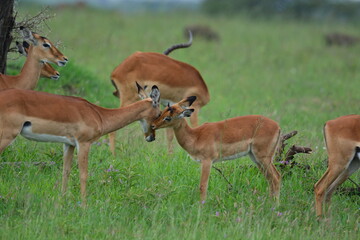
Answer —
(342, 137)
(175, 79)
(255, 135)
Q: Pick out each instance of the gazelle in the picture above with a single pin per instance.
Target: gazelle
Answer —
(342, 138)
(47, 70)
(253, 135)
(175, 79)
(45, 117)
(40, 50)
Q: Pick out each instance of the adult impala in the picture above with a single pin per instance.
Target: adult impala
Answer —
(253, 135)
(40, 50)
(73, 121)
(342, 138)
(47, 71)
(175, 79)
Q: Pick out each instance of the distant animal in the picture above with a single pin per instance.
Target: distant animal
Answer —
(253, 135)
(73, 121)
(175, 80)
(340, 39)
(202, 31)
(342, 138)
(40, 50)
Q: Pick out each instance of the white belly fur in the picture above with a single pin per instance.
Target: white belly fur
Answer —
(27, 133)
(231, 157)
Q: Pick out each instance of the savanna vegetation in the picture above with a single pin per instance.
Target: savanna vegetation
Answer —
(280, 69)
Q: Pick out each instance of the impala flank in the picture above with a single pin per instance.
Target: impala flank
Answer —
(253, 135)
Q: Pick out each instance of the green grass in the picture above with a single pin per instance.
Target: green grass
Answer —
(276, 68)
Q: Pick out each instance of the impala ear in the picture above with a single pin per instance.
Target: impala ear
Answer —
(155, 96)
(21, 49)
(186, 113)
(141, 91)
(27, 35)
(185, 103)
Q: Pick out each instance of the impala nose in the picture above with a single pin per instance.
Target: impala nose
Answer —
(56, 76)
(63, 63)
(150, 138)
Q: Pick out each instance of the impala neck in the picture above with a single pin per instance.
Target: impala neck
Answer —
(114, 119)
(30, 73)
(185, 135)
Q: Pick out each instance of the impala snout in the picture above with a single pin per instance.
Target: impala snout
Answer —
(150, 138)
(62, 62)
(56, 76)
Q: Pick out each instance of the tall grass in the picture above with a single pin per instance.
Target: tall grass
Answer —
(279, 69)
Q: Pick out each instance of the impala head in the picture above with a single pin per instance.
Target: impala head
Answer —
(172, 114)
(47, 70)
(43, 49)
(154, 111)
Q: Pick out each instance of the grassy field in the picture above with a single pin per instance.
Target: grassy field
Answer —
(280, 69)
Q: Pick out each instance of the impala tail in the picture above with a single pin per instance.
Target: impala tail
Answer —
(180, 45)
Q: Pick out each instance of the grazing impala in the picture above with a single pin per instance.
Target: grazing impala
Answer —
(342, 138)
(47, 70)
(73, 121)
(40, 50)
(253, 135)
(175, 79)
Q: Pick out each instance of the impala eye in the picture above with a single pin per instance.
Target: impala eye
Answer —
(168, 119)
(46, 45)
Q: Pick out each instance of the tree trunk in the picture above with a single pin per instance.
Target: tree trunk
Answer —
(7, 21)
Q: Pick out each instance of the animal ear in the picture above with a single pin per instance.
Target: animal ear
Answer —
(21, 49)
(185, 103)
(155, 96)
(27, 35)
(141, 92)
(186, 113)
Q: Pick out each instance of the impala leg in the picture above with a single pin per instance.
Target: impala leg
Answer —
(169, 138)
(112, 141)
(205, 173)
(68, 158)
(6, 138)
(83, 152)
(322, 186)
(270, 172)
(353, 167)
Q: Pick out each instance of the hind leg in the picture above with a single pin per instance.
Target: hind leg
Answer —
(270, 172)
(112, 142)
(6, 138)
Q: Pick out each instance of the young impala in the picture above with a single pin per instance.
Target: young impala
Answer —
(342, 138)
(47, 71)
(175, 79)
(73, 121)
(253, 135)
(40, 50)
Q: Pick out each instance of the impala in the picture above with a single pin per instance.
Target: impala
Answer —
(253, 135)
(40, 50)
(45, 117)
(47, 70)
(342, 138)
(175, 79)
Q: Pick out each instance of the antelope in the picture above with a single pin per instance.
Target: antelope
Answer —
(175, 79)
(342, 138)
(253, 135)
(73, 121)
(40, 50)
(47, 70)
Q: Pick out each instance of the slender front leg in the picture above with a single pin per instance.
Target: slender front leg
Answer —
(83, 153)
(68, 158)
(205, 173)
(170, 137)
